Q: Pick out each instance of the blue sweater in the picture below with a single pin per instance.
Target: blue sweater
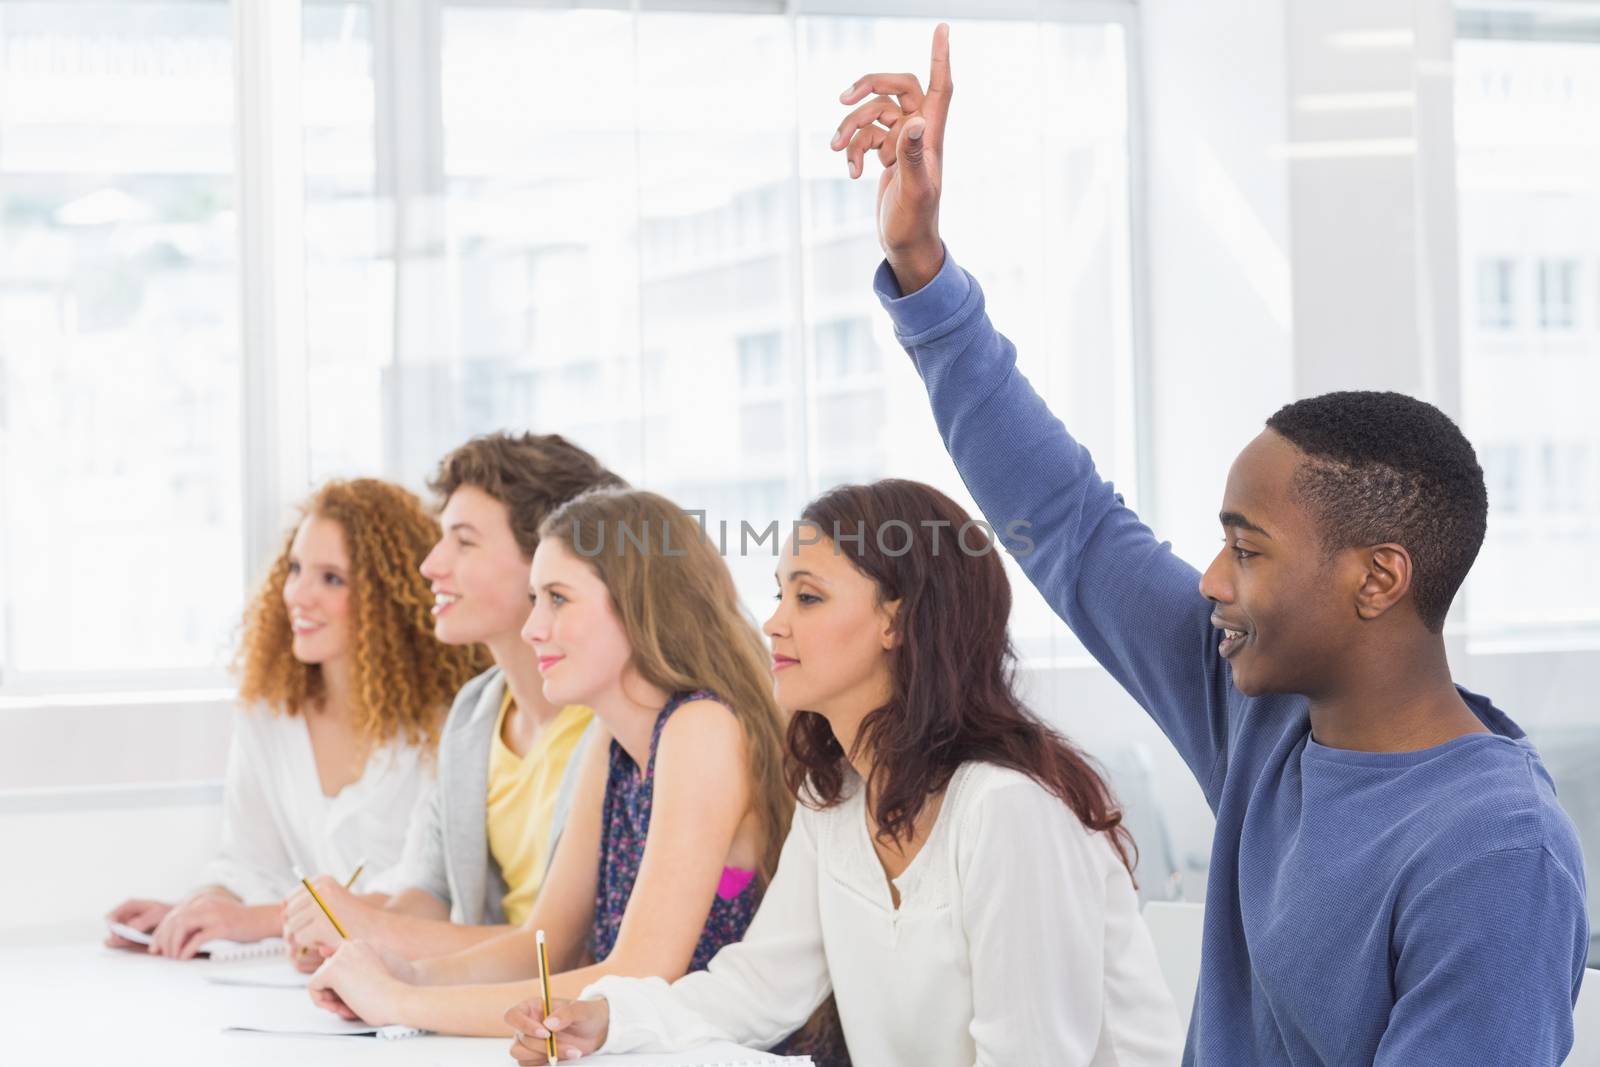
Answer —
(1398, 909)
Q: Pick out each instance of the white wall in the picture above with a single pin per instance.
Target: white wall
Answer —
(73, 855)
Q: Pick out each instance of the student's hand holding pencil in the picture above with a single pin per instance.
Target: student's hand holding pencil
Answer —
(580, 1027)
(306, 926)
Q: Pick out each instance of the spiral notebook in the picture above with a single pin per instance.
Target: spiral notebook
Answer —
(218, 950)
(289, 1012)
(334, 1027)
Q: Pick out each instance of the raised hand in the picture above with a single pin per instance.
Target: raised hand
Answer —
(905, 126)
(580, 1027)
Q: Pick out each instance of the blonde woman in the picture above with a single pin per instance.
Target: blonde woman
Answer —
(342, 688)
(681, 812)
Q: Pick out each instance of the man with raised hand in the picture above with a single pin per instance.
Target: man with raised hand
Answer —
(1392, 880)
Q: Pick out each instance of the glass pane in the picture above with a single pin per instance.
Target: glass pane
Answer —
(1037, 210)
(349, 277)
(690, 297)
(534, 322)
(119, 348)
(1528, 136)
(718, 307)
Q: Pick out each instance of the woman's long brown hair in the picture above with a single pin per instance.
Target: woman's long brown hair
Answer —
(677, 602)
(952, 668)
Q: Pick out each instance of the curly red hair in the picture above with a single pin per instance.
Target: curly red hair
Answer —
(404, 678)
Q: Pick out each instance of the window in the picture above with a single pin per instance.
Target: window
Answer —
(348, 275)
(1558, 294)
(1502, 475)
(844, 350)
(1497, 298)
(715, 283)
(120, 453)
(1529, 180)
(760, 361)
(689, 299)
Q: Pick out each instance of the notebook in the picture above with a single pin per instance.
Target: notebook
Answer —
(344, 1029)
(265, 1010)
(718, 1055)
(263, 978)
(219, 950)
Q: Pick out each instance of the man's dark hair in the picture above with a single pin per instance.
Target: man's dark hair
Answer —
(1384, 467)
(532, 474)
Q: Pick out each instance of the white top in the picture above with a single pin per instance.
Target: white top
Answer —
(1018, 941)
(275, 816)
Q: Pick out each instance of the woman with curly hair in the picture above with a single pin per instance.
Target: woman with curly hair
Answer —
(342, 688)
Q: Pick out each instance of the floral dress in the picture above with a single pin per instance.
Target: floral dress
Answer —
(624, 828)
(625, 825)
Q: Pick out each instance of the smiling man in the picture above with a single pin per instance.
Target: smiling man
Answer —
(1392, 879)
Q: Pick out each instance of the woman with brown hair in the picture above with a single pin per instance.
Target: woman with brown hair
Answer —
(679, 814)
(957, 875)
(342, 688)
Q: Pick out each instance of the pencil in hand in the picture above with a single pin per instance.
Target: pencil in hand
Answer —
(361, 865)
(544, 984)
(298, 873)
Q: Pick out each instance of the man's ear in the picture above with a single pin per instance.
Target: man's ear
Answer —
(1386, 579)
(890, 610)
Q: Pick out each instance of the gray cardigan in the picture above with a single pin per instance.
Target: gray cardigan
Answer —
(447, 846)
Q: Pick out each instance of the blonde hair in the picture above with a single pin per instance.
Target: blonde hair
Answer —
(404, 677)
(677, 602)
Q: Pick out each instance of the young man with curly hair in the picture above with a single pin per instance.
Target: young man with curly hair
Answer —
(477, 855)
(1392, 881)
(342, 691)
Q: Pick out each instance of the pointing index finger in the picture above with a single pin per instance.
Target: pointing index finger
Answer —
(939, 74)
(937, 106)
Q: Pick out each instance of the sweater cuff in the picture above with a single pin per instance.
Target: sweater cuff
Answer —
(934, 304)
(625, 1005)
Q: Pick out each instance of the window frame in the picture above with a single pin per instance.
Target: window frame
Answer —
(409, 156)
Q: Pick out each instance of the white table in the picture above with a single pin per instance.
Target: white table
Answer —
(79, 1002)
(84, 1003)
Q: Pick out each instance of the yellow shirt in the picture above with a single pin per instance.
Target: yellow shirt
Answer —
(522, 802)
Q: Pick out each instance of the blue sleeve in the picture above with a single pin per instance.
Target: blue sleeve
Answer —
(1489, 959)
(1135, 606)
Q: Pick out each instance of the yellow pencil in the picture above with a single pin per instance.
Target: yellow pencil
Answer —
(544, 980)
(361, 865)
(298, 873)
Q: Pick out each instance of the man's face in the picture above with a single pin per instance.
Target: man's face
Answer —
(1284, 610)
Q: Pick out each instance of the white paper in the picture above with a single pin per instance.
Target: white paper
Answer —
(274, 979)
(718, 1055)
(290, 1011)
